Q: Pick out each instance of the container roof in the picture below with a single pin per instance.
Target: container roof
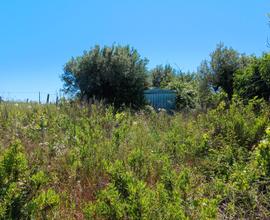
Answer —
(158, 90)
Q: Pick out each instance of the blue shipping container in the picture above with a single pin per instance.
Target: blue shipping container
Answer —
(161, 98)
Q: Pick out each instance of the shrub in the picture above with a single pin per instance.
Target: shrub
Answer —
(19, 187)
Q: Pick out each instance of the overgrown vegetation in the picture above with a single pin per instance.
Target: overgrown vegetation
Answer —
(227, 73)
(117, 75)
(87, 160)
(90, 162)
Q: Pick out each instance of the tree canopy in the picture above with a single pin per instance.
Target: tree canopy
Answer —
(118, 75)
(161, 76)
(223, 64)
(114, 74)
(254, 80)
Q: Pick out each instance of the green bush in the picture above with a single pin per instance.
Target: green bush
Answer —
(19, 187)
(262, 153)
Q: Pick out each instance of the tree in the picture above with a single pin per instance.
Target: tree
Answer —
(205, 91)
(254, 80)
(115, 74)
(224, 63)
(161, 76)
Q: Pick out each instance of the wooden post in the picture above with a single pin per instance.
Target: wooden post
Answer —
(48, 99)
(57, 100)
(39, 98)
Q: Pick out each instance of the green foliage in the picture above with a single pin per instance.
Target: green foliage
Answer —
(123, 197)
(262, 155)
(205, 94)
(218, 73)
(126, 197)
(115, 74)
(135, 165)
(161, 76)
(45, 202)
(19, 188)
(13, 173)
(232, 73)
(118, 76)
(253, 81)
(138, 163)
(224, 63)
(186, 88)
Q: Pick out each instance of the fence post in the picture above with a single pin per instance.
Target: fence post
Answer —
(39, 97)
(48, 99)
(57, 100)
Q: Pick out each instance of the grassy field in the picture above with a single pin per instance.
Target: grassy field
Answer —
(90, 162)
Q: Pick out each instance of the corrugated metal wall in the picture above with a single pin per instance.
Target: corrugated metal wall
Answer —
(160, 98)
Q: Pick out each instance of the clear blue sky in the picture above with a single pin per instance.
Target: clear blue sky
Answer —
(38, 37)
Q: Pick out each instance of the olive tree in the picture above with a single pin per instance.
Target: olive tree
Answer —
(114, 74)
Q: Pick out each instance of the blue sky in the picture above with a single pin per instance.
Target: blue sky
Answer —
(38, 37)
